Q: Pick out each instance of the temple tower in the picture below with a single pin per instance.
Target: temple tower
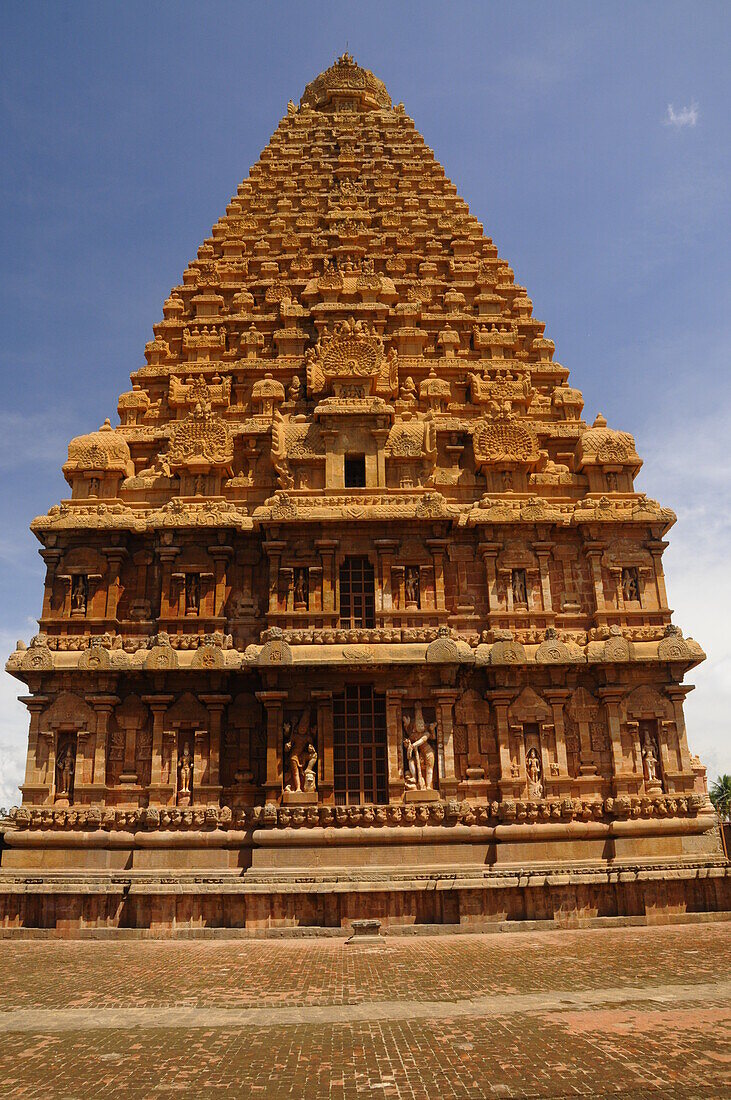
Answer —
(352, 591)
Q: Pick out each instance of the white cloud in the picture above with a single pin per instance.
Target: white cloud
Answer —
(686, 116)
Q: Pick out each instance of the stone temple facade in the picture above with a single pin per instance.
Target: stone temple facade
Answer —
(353, 615)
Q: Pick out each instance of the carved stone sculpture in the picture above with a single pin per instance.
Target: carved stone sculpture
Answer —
(534, 773)
(185, 775)
(301, 755)
(419, 750)
(65, 767)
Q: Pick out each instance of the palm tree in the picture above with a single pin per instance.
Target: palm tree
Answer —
(720, 795)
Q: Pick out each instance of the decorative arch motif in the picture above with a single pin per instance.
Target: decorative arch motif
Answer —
(68, 709)
(529, 707)
(187, 710)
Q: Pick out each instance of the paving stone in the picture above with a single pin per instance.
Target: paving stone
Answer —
(631, 1012)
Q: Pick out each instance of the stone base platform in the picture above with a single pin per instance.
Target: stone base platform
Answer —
(457, 876)
(466, 900)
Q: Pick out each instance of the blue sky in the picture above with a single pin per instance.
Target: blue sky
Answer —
(591, 139)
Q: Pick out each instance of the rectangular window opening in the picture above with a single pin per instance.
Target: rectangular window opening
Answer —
(355, 472)
(357, 594)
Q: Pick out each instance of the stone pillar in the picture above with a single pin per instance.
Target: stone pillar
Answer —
(221, 556)
(104, 706)
(445, 700)
(115, 555)
(656, 548)
(611, 697)
(438, 548)
(677, 693)
(51, 736)
(167, 555)
(32, 785)
(490, 551)
(386, 549)
(274, 553)
(395, 735)
(216, 705)
(273, 704)
(594, 551)
(158, 705)
(543, 553)
(398, 582)
(51, 558)
(197, 793)
(325, 744)
(501, 700)
(557, 698)
(380, 435)
(327, 548)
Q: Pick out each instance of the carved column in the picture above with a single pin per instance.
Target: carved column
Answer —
(611, 697)
(594, 551)
(33, 785)
(677, 693)
(394, 733)
(274, 553)
(50, 736)
(327, 548)
(197, 793)
(445, 700)
(490, 551)
(501, 700)
(51, 558)
(438, 548)
(115, 555)
(656, 548)
(386, 549)
(543, 553)
(557, 697)
(325, 744)
(273, 703)
(380, 435)
(221, 556)
(103, 706)
(158, 704)
(215, 705)
(167, 555)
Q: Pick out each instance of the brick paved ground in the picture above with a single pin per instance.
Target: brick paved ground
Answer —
(630, 1012)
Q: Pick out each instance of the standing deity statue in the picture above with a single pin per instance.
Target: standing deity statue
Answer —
(419, 741)
(300, 589)
(534, 774)
(302, 755)
(520, 590)
(411, 583)
(185, 771)
(650, 757)
(65, 771)
(78, 594)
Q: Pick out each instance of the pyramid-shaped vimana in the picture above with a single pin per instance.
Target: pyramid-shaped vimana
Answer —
(353, 565)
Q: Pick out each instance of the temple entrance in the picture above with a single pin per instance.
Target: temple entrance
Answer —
(359, 718)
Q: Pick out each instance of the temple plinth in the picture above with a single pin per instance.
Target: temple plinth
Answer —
(352, 615)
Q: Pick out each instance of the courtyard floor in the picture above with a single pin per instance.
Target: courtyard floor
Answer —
(629, 1012)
